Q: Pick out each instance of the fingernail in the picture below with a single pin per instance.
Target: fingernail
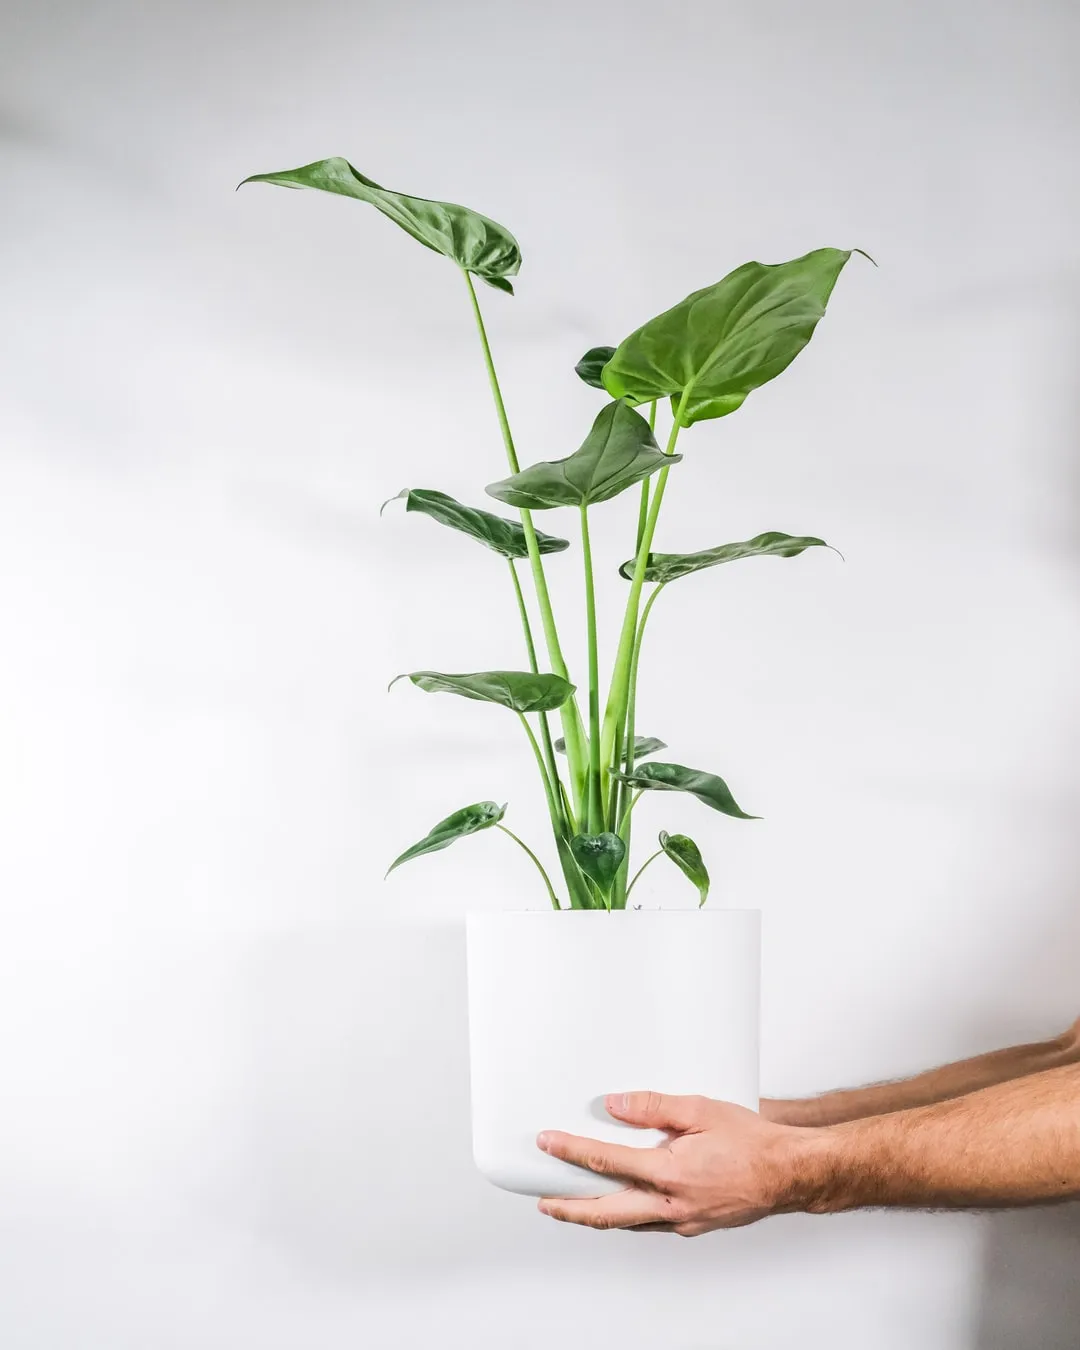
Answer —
(618, 1101)
(543, 1141)
(544, 1208)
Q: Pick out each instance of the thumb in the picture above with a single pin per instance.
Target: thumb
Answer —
(657, 1111)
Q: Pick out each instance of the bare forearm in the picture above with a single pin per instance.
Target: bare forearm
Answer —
(937, 1085)
(1016, 1143)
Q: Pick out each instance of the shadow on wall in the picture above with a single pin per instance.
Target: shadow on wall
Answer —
(1031, 1268)
(1031, 1281)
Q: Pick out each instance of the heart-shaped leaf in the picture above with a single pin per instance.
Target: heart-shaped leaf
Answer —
(619, 451)
(470, 819)
(519, 690)
(726, 340)
(599, 856)
(686, 856)
(643, 745)
(592, 363)
(664, 567)
(506, 537)
(706, 787)
(474, 242)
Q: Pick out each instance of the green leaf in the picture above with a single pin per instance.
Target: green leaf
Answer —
(599, 856)
(724, 341)
(619, 451)
(706, 787)
(664, 567)
(643, 745)
(592, 363)
(519, 690)
(506, 537)
(686, 856)
(474, 242)
(470, 819)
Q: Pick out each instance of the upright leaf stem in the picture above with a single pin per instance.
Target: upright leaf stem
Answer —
(615, 712)
(540, 866)
(596, 788)
(545, 727)
(573, 730)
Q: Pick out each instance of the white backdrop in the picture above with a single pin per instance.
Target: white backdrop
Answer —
(233, 1060)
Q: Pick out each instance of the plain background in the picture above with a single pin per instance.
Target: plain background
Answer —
(234, 1072)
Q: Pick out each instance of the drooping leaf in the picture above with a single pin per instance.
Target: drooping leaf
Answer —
(706, 787)
(599, 856)
(518, 690)
(664, 567)
(470, 819)
(592, 363)
(474, 242)
(726, 340)
(618, 452)
(643, 745)
(686, 856)
(505, 537)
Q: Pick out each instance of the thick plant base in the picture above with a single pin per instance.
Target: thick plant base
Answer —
(567, 1007)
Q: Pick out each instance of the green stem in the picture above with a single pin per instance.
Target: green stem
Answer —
(641, 869)
(545, 727)
(626, 814)
(554, 805)
(540, 866)
(573, 729)
(643, 507)
(571, 818)
(596, 790)
(615, 712)
(631, 732)
(631, 696)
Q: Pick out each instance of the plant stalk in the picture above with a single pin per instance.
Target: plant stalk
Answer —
(615, 712)
(626, 826)
(545, 726)
(573, 730)
(540, 866)
(596, 788)
(648, 860)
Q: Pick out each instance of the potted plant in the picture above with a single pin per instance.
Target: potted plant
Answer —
(587, 993)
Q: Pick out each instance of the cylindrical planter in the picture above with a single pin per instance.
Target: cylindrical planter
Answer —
(567, 1007)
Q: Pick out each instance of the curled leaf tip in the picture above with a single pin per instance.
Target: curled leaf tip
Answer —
(395, 498)
(403, 676)
(863, 254)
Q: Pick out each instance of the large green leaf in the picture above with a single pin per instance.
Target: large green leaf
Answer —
(664, 567)
(592, 363)
(619, 451)
(470, 819)
(726, 340)
(599, 856)
(643, 745)
(686, 856)
(506, 537)
(706, 787)
(519, 690)
(474, 242)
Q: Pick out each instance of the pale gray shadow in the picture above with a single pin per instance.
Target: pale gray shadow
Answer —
(1031, 1281)
(1030, 1295)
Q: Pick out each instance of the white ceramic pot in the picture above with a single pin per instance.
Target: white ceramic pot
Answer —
(567, 1007)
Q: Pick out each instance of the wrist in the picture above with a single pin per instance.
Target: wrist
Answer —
(806, 1171)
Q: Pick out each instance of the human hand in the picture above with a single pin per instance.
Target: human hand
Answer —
(723, 1167)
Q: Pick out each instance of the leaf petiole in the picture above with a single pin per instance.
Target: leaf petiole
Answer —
(540, 866)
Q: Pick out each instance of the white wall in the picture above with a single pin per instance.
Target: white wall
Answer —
(234, 1074)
